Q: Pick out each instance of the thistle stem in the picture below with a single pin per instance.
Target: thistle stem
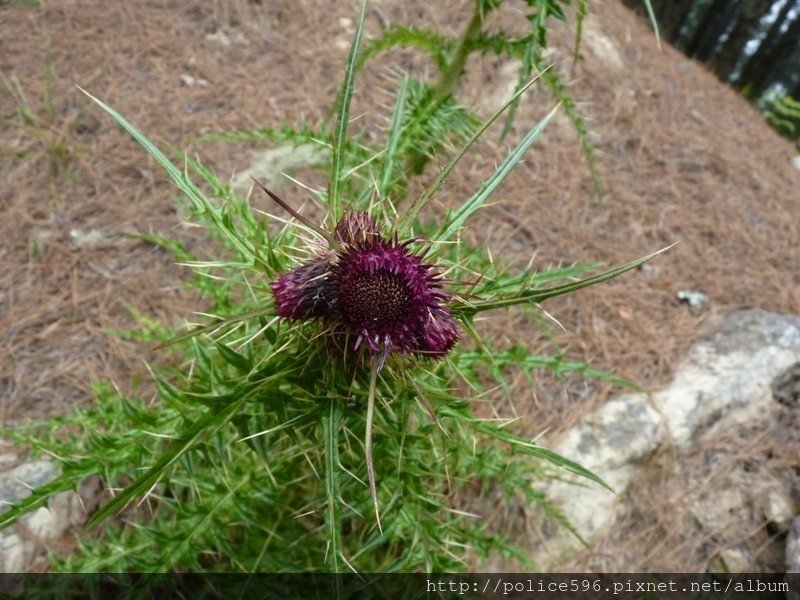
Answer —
(450, 77)
(333, 511)
(368, 440)
(447, 83)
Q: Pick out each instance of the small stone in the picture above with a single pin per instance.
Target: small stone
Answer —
(219, 37)
(43, 524)
(796, 162)
(15, 553)
(793, 547)
(732, 560)
(650, 270)
(68, 509)
(88, 239)
(777, 509)
(17, 483)
(190, 81)
(695, 300)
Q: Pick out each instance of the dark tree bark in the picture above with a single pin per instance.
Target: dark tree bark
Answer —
(725, 20)
(717, 19)
(780, 56)
(747, 28)
(754, 69)
(789, 74)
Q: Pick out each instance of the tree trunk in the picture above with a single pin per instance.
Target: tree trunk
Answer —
(723, 22)
(706, 20)
(753, 70)
(746, 28)
(781, 54)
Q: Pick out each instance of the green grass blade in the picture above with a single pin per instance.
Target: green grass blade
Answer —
(534, 296)
(651, 13)
(203, 524)
(343, 118)
(219, 323)
(477, 201)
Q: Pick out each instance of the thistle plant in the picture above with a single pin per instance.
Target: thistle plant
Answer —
(328, 414)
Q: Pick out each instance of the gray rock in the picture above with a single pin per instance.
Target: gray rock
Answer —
(793, 547)
(777, 507)
(731, 560)
(725, 381)
(786, 387)
(17, 483)
(269, 165)
(15, 553)
(695, 300)
(713, 512)
(22, 543)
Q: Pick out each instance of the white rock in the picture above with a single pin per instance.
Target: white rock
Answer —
(269, 165)
(43, 524)
(777, 509)
(724, 382)
(17, 483)
(191, 81)
(793, 547)
(714, 511)
(15, 553)
(695, 300)
(796, 162)
(600, 44)
(731, 560)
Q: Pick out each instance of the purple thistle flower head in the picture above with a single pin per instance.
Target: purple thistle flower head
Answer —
(373, 289)
(357, 228)
(305, 292)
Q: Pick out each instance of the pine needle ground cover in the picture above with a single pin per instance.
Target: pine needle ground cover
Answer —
(324, 416)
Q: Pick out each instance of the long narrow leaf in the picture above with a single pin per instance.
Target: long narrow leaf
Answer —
(534, 296)
(523, 446)
(343, 118)
(182, 181)
(650, 13)
(395, 129)
(477, 201)
(422, 200)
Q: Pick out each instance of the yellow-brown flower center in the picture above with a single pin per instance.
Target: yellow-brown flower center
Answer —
(370, 299)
